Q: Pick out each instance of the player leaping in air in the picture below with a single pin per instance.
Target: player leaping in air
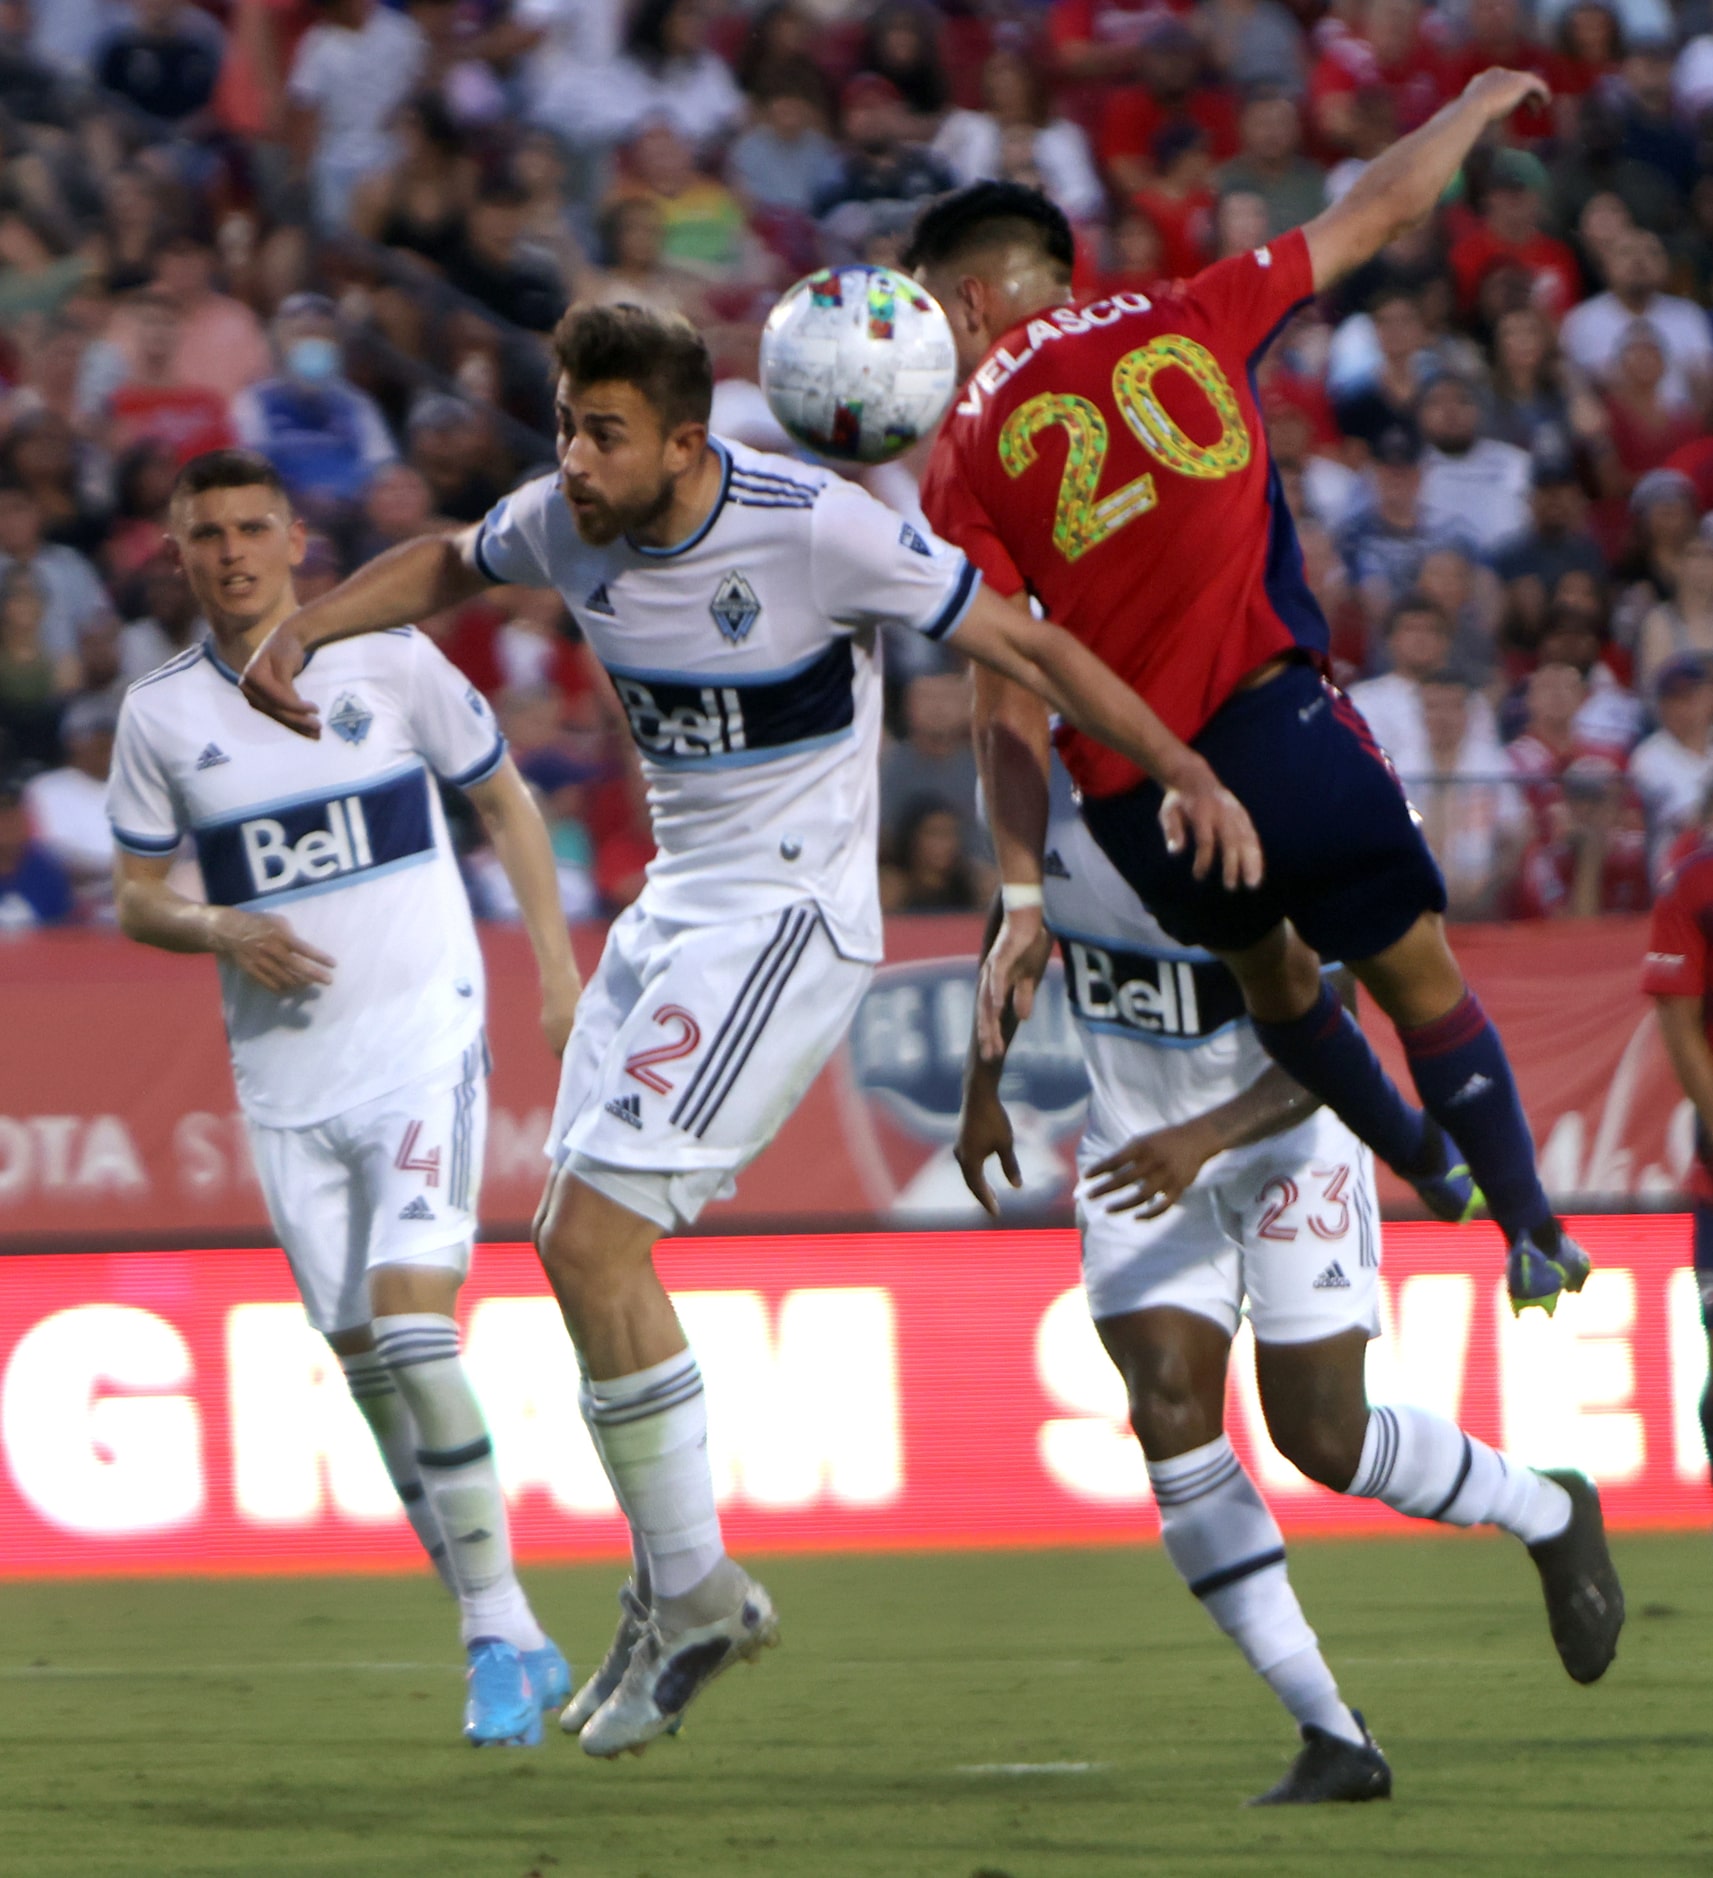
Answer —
(735, 599)
(1209, 1181)
(353, 994)
(1109, 460)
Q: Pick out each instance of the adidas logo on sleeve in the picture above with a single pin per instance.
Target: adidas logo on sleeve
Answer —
(212, 757)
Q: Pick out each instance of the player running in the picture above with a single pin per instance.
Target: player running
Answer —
(1207, 1178)
(356, 1025)
(1110, 461)
(735, 599)
(1678, 976)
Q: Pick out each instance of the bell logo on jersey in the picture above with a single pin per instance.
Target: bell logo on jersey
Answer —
(1144, 995)
(711, 725)
(309, 844)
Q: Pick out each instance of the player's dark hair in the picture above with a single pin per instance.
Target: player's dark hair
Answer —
(984, 213)
(1418, 602)
(228, 469)
(661, 354)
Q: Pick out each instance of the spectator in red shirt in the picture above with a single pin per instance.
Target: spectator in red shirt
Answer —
(1496, 37)
(1643, 430)
(154, 404)
(1179, 202)
(1590, 47)
(1099, 39)
(1171, 93)
(1510, 230)
(1388, 48)
(1595, 860)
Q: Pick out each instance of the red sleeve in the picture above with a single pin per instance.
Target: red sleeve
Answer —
(1249, 296)
(956, 514)
(1676, 965)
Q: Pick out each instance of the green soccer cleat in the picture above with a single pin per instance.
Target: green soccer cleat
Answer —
(1543, 1264)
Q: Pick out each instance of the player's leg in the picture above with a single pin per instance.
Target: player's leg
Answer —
(323, 1229)
(1312, 1276)
(417, 1157)
(1166, 1296)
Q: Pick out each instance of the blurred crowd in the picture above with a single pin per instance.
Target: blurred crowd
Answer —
(338, 231)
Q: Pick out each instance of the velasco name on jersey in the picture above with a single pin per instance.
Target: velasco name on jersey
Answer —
(1002, 364)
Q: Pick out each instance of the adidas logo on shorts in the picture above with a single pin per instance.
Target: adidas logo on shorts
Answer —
(418, 1209)
(1053, 866)
(1332, 1279)
(627, 1109)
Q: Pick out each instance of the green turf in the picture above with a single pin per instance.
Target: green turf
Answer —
(310, 1726)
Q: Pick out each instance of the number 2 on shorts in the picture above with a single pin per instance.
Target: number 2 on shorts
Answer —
(642, 1065)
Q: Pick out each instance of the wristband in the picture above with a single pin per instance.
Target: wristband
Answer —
(1021, 893)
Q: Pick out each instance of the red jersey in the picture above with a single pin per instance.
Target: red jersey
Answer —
(1680, 956)
(1109, 458)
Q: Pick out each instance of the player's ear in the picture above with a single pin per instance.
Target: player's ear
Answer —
(684, 446)
(297, 541)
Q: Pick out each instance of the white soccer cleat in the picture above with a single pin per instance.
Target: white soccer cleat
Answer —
(633, 1621)
(666, 1673)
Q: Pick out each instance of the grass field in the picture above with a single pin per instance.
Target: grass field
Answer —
(310, 1726)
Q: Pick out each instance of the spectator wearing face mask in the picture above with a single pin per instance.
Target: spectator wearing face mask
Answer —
(325, 437)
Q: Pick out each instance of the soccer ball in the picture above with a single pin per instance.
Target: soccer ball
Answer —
(858, 363)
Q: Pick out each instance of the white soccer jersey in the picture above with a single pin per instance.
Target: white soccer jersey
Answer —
(1162, 1025)
(746, 660)
(343, 837)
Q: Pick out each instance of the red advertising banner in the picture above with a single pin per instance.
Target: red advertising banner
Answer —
(171, 1411)
(117, 1115)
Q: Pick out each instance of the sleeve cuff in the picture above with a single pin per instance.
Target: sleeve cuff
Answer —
(479, 772)
(145, 844)
(962, 597)
(483, 564)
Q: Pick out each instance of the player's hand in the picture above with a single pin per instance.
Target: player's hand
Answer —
(1011, 971)
(559, 1011)
(1499, 92)
(266, 949)
(1201, 813)
(1153, 1172)
(269, 682)
(984, 1129)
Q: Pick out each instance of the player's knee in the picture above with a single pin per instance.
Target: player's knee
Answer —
(1324, 1447)
(1167, 1411)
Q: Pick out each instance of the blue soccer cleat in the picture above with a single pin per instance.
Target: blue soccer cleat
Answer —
(549, 1675)
(501, 1709)
(1543, 1264)
(1449, 1194)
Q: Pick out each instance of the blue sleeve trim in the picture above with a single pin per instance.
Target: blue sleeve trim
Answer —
(951, 616)
(151, 845)
(480, 772)
(483, 564)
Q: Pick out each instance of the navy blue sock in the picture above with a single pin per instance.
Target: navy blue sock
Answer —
(1326, 1052)
(1466, 1085)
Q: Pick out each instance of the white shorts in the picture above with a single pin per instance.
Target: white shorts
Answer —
(692, 1046)
(1291, 1224)
(393, 1182)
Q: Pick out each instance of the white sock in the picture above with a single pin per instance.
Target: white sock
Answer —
(1425, 1466)
(640, 1576)
(652, 1431)
(376, 1395)
(1228, 1549)
(420, 1349)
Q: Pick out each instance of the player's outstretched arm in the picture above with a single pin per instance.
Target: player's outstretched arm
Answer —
(1682, 1029)
(410, 582)
(261, 945)
(520, 839)
(1152, 1172)
(1199, 811)
(1401, 186)
(984, 1128)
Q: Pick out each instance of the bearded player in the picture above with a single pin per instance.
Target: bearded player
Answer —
(1110, 461)
(1211, 1184)
(352, 987)
(735, 598)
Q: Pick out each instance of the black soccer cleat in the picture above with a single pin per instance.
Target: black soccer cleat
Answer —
(1584, 1600)
(1449, 1193)
(1329, 1768)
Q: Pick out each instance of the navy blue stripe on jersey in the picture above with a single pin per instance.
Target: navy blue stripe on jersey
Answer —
(286, 850)
(482, 768)
(742, 474)
(483, 565)
(144, 844)
(744, 500)
(1171, 999)
(726, 721)
(701, 534)
(951, 615)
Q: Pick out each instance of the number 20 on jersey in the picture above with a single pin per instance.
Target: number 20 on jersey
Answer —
(1084, 517)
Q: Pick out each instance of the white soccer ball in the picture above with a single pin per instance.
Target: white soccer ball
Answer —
(858, 363)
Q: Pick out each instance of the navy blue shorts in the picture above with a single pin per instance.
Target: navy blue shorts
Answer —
(1345, 860)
